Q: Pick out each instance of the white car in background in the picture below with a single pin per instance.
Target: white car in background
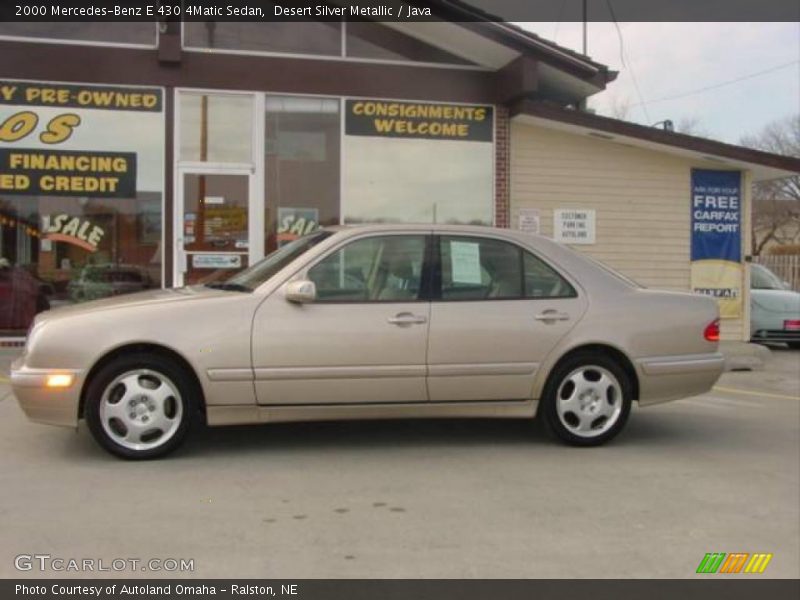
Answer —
(774, 309)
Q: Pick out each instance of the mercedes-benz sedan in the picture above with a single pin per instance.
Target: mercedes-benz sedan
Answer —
(373, 322)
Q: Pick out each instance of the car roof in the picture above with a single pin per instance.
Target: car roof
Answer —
(435, 227)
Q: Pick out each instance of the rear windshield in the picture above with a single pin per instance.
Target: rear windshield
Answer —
(761, 278)
(616, 274)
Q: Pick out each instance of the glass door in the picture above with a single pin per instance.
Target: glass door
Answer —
(214, 232)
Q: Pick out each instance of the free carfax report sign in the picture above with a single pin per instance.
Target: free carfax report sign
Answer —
(717, 238)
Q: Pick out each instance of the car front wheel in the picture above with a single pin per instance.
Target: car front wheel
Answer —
(587, 400)
(140, 406)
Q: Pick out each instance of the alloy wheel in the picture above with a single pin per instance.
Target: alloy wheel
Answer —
(589, 401)
(141, 409)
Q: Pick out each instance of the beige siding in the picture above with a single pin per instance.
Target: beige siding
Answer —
(641, 199)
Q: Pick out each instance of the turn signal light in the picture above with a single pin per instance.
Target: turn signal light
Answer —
(791, 324)
(711, 332)
(59, 380)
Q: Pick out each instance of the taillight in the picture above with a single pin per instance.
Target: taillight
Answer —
(791, 324)
(711, 332)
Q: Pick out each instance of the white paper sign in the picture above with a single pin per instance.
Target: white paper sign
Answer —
(574, 225)
(529, 220)
(214, 200)
(465, 259)
(216, 261)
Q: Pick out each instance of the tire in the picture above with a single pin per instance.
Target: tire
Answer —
(793, 345)
(587, 400)
(141, 406)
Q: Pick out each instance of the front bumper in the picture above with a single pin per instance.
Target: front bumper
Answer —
(665, 378)
(54, 406)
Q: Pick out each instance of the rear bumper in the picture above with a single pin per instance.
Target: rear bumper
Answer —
(776, 335)
(54, 406)
(664, 378)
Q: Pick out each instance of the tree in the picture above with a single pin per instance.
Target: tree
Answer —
(776, 202)
(691, 126)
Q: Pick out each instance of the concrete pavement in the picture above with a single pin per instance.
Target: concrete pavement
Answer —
(716, 473)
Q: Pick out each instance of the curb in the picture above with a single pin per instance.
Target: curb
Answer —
(744, 356)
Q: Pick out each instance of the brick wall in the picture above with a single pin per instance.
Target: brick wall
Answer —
(501, 167)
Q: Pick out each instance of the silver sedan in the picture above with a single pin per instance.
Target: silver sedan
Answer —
(373, 322)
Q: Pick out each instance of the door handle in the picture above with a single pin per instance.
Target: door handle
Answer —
(406, 318)
(552, 315)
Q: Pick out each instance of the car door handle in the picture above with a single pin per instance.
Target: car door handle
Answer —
(552, 315)
(407, 319)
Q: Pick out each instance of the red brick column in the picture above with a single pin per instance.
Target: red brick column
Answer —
(502, 155)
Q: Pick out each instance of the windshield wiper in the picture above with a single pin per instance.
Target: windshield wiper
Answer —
(230, 287)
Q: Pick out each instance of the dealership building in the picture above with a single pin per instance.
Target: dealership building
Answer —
(137, 155)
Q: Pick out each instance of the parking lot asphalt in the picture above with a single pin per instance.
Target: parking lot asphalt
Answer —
(460, 499)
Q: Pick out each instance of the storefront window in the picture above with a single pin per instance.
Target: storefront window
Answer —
(81, 189)
(132, 32)
(303, 141)
(296, 37)
(216, 128)
(418, 163)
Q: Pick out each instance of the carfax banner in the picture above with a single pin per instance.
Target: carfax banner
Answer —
(716, 253)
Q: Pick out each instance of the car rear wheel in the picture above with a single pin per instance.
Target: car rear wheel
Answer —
(587, 400)
(140, 406)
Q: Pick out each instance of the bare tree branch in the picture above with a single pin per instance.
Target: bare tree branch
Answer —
(776, 203)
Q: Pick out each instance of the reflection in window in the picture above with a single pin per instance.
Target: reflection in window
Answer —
(301, 166)
(130, 32)
(377, 269)
(295, 37)
(216, 127)
(61, 250)
(389, 179)
(373, 40)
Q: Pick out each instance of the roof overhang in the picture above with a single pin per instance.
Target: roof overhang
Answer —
(762, 165)
(563, 75)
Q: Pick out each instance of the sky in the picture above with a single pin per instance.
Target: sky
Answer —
(673, 59)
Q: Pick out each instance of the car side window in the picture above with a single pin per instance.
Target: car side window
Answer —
(479, 269)
(541, 280)
(376, 269)
(474, 268)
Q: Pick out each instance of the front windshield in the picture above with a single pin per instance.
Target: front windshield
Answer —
(761, 278)
(254, 276)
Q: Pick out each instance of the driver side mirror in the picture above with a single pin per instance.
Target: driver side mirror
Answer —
(300, 292)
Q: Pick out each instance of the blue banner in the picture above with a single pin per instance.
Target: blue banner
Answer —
(717, 238)
(716, 215)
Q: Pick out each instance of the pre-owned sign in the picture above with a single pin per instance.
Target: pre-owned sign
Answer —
(68, 173)
(79, 96)
(419, 120)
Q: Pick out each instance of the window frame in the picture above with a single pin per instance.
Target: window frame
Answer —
(425, 275)
(342, 56)
(438, 267)
(85, 42)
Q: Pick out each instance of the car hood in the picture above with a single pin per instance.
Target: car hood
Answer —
(139, 299)
(782, 301)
